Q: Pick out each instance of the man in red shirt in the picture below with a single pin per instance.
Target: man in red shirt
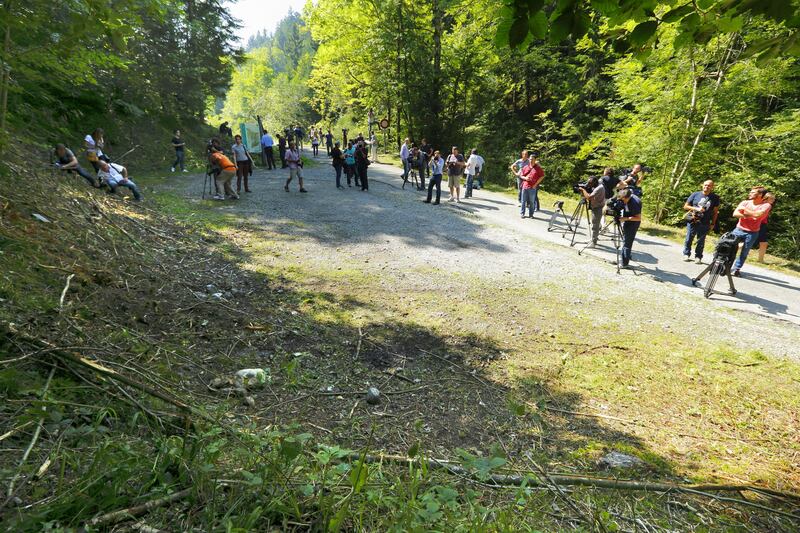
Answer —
(751, 214)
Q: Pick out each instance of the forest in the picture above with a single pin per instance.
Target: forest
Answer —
(695, 93)
(361, 360)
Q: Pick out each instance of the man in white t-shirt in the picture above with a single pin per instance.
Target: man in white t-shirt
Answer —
(115, 176)
(405, 153)
(474, 165)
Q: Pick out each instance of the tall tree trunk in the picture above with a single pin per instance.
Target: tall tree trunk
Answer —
(6, 76)
(728, 58)
(436, 96)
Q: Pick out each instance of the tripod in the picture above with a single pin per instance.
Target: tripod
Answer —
(719, 265)
(577, 215)
(616, 238)
(559, 210)
(209, 173)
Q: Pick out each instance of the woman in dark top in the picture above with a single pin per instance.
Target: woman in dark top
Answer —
(362, 162)
(338, 162)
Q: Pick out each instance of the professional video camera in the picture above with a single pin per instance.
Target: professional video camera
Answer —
(614, 207)
(576, 188)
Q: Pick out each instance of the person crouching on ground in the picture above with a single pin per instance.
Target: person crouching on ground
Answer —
(244, 164)
(295, 167)
(222, 181)
(117, 176)
(67, 162)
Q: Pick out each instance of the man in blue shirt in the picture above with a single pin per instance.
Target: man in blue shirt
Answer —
(631, 220)
(266, 145)
(702, 209)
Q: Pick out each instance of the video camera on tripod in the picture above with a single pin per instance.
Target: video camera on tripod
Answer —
(724, 256)
(614, 208)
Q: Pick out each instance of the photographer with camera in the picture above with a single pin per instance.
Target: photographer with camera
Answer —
(609, 181)
(629, 213)
(702, 209)
(595, 195)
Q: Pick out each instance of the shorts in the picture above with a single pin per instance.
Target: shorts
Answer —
(453, 181)
(762, 235)
(295, 173)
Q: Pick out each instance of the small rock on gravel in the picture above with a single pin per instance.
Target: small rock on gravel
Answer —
(373, 396)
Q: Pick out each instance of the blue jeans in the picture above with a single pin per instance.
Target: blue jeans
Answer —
(112, 184)
(435, 181)
(695, 230)
(750, 238)
(470, 178)
(629, 230)
(528, 197)
(178, 159)
(338, 169)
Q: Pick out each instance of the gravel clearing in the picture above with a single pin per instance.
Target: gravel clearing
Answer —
(390, 235)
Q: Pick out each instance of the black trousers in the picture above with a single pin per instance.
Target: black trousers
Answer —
(270, 157)
(282, 153)
(436, 181)
(362, 176)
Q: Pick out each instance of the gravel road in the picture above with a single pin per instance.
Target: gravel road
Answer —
(391, 233)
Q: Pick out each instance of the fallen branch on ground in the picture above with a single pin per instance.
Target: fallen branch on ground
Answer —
(132, 512)
(569, 480)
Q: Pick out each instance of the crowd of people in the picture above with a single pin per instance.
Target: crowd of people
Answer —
(108, 174)
(352, 159)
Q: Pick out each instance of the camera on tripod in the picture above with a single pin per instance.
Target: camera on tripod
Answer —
(578, 187)
(614, 207)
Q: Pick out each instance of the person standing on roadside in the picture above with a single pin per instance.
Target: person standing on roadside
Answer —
(595, 195)
(329, 142)
(295, 167)
(702, 209)
(314, 142)
(538, 174)
(427, 150)
(350, 163)
(455, 168)
(178, 144)
(298, 137)
(243, 162)
(267, 146)
(338, 163)
(362, 162)
(517, 167)
(751, 214)
(405, 154)
(474, 164)
(282, 150)
(437, 168)
(762, 231)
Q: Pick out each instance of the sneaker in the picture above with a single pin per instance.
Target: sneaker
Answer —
(435, 203)
(687, 258)
(217, 197)
(286, 188)
(172, 169)
(303, 190)
(184, 170)
(626, 267)
(736, 273)
(699, 261)
(234, 196)
(451, 199)
(458, 201)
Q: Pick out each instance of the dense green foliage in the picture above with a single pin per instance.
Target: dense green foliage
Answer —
(716, 103)
(138, 69)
